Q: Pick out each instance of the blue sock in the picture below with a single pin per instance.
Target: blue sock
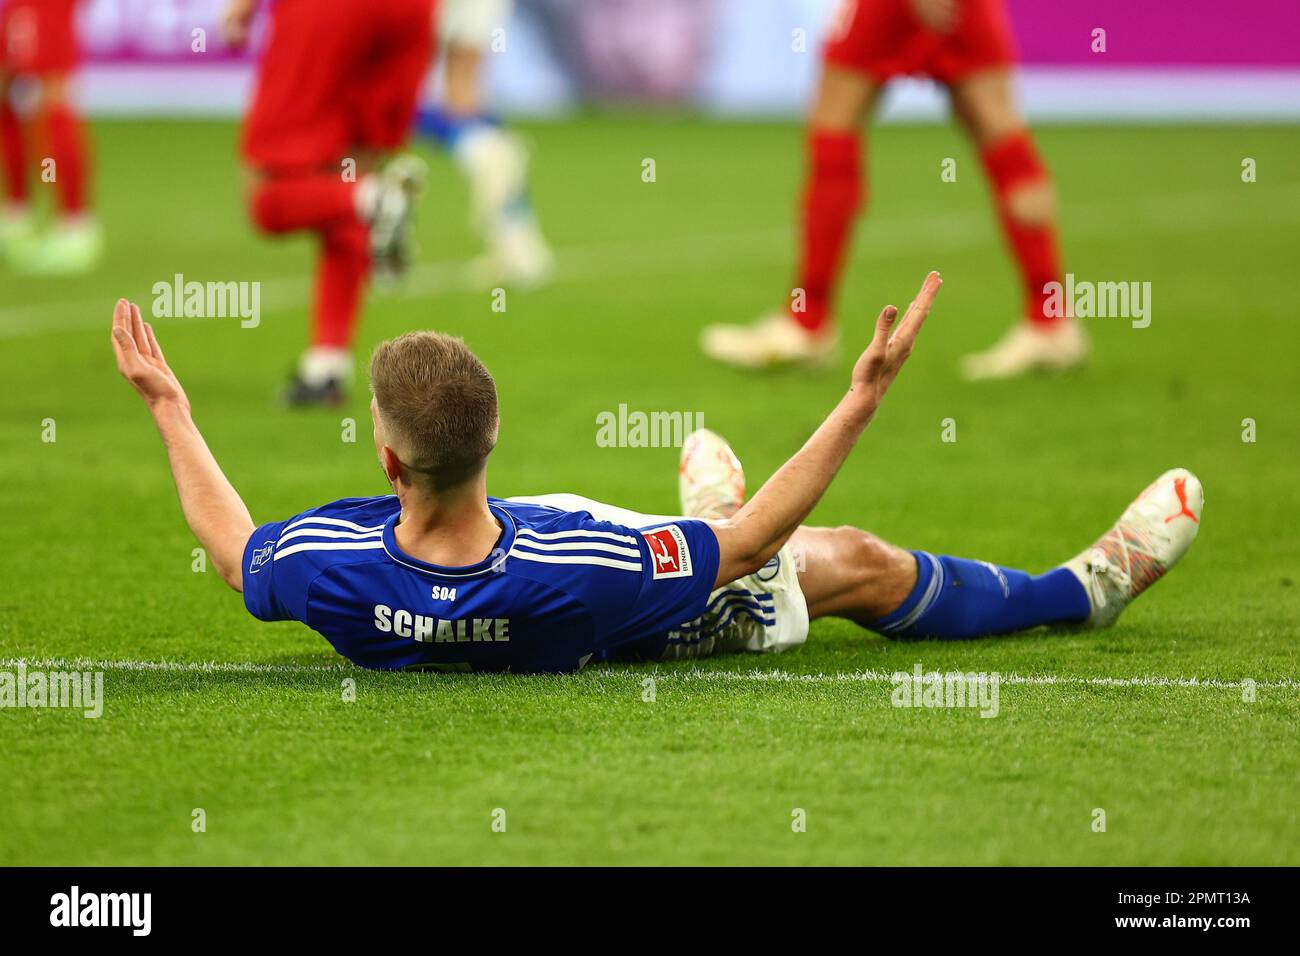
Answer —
(956, 599)
(446, 129)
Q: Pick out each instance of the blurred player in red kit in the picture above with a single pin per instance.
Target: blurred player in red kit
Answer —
(967, 46)
(41, 136)
(336, 88)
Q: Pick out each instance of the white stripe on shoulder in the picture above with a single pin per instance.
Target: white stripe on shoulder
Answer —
(333, 523)
(323, 533)
(575, 533)
(576, 559)
(625, 550)
(331, 546)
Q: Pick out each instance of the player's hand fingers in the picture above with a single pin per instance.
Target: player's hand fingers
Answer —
(123, 343)
(884, 322)
(137, 330)
(914, 318)
(122, 315)
(154, 348)
(123, 348)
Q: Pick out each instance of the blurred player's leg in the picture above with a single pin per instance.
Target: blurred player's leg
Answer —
(40, 47)
(336, 87)
(16, 215)
(834, 189)
(493, 160)
(332, 208)
(870, 41)
(1022, 188)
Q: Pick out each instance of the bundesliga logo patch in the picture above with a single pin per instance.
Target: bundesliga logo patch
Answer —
(670, 554)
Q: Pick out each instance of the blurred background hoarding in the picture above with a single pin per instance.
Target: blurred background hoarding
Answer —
(1164, 60)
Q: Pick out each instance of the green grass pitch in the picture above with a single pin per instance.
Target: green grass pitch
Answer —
(97, 559)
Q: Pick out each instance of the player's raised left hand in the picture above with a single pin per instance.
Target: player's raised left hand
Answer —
(879, 365)
(140, 359)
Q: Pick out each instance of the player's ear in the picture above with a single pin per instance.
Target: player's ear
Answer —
(391, 464)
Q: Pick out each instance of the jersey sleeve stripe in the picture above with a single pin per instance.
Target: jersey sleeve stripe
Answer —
(578, 546)
(575, 533)
(330, 546)
(325, 533)
(333, 523)
(577, 559)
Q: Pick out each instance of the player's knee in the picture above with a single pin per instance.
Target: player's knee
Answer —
(843, 102)
(262, 208)
(1033, 203)
(863, 551)
(883, 574)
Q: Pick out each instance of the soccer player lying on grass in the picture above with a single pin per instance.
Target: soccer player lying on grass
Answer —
(439, 575)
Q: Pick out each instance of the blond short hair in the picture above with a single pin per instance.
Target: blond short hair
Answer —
(438, 404)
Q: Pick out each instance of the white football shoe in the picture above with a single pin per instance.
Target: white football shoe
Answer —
(71, 247)
(517, 253)
(387, 203)
(710, 479)
(1029, 348)
(773, 340)
(17, 225)
(1149, 538)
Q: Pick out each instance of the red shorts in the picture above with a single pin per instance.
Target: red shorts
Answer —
(335, 76)
(883, 39)
(38, 36)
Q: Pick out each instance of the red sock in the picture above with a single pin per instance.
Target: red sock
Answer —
(341, 276)
(15, 154)
(289, 203)
(324, 204)
(67, 144)
(1013, 162)
(832, 195)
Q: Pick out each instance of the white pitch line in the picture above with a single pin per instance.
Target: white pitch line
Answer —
(1170, 213)
(696, 675)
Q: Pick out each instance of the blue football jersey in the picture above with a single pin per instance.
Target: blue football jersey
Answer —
(560, 588)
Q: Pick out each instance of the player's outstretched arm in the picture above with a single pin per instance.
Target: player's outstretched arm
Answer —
(212, 507)
(756, 532)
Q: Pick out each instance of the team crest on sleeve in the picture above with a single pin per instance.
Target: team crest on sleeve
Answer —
(670, 555)
(261, 556)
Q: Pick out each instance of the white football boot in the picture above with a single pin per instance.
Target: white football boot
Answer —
(710, 479)
(773, 340)
(17, 226)
(1149, 538)
(517, 252)
(387, 202)
(72, 246)
(1029, 348)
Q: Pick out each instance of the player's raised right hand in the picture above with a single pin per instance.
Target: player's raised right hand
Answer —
(140, 358)
(878, 366)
